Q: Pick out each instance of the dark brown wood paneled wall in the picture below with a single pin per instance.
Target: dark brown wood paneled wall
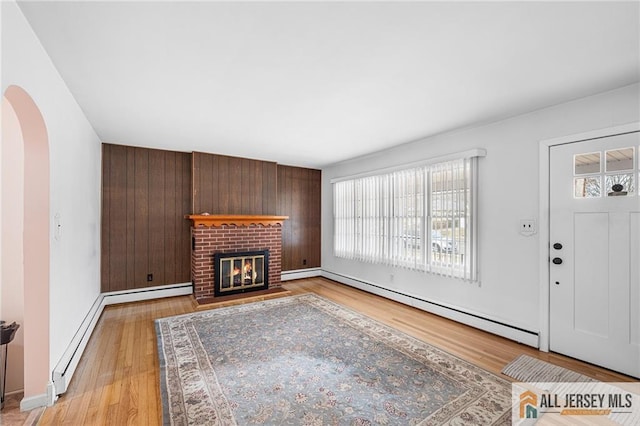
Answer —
(299, 198)
(145, 195)
(232, 185)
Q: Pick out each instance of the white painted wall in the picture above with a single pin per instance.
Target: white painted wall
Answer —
(1, 203)
(508, 179)
(75, 178)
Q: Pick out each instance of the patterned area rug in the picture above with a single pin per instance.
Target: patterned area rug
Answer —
(304, 360)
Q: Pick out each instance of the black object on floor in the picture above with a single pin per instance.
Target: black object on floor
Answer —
(7, 333)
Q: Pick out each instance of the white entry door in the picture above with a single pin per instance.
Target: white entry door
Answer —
(595, 251)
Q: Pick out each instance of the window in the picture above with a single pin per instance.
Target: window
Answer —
(618, 174)
(420, 217)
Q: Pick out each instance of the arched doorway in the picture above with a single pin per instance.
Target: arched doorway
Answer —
(25, 152)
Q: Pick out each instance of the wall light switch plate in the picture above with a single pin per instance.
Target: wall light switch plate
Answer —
(528, 227)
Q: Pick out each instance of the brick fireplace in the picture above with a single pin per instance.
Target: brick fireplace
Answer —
(216, 234)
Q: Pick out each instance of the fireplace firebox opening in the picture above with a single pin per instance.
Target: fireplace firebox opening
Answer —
(240, 272)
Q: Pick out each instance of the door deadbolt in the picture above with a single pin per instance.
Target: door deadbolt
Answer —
(557, 246)
(557, 261)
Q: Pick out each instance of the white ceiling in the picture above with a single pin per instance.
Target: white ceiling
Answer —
(311, 84)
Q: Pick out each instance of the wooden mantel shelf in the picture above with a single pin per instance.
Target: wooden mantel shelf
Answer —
(234, 219)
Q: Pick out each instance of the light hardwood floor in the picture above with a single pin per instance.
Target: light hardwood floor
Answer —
(117, 380)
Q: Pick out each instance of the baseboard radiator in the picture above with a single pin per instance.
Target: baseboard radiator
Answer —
(508, 331)
(67, 365)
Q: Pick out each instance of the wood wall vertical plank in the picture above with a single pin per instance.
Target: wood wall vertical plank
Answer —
(223, 185)
(255, 194)
(267, 194)
(256, 187)
(288, 235)
(118, 220)
(171, 191)
(269, 188)
(250, 193)
(280, 209)
(131, 217)
(184, 238)
(195, 183)
(105, 224)
(156, 216)
(180, 211)
(141, 217)
(310, 231)
(212, 202)
(206, 183)
(297, 226)
(283, 202)
(235, 185)
(246, 187)
(315, 218)
(305, 227)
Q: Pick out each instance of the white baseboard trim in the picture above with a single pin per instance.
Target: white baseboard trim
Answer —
(37, 401)
(43, 400)
(517, 334)
(300, 273)
(148, 293)
(65, 368)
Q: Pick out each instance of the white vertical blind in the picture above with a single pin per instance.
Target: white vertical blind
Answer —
(419, 218)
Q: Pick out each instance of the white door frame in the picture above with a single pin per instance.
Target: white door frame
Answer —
(544, 222)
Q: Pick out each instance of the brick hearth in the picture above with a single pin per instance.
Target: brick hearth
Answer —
(212, 234)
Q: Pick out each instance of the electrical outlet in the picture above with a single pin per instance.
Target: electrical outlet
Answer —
(528, 227)
(149, 277)
(304, 261)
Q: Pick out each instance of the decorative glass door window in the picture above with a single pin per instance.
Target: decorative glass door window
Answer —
(618, 174)
(587, 181)
(619, 178)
